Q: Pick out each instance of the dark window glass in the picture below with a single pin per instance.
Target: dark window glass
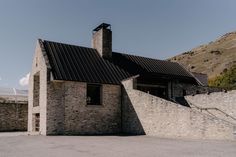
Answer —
(93, 94)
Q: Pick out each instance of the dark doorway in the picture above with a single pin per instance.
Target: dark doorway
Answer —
(36, 122)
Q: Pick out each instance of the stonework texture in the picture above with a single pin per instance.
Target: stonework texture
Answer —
(102, 42)
(219, 104)
(41, 69)
(150, 115)
(13, 116)
(178, 87)
(68, 113)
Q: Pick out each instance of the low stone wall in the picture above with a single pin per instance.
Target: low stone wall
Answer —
(150, 115)
(219, 104)
(193, 90)
(13, 116)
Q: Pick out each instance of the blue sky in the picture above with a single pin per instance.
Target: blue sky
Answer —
(152, 28)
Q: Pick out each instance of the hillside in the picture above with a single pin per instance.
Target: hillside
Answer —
(217, 59)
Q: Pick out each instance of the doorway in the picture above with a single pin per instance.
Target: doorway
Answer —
(36, 122)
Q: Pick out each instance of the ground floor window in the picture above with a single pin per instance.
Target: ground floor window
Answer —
(94, 94)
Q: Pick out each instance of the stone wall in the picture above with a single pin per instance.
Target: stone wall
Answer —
(68, 113)
(13, 116)
(41, 69)
(55, 108)
(219, 104)
(193, 90)
(150, 115)
(102, 42)
(190, 89)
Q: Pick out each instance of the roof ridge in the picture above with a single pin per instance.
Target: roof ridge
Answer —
(144, 57)
(150, 65)
(57, 42)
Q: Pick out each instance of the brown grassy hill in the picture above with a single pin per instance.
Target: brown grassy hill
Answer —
(214, 58)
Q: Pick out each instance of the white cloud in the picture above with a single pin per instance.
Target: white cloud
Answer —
(24, 81)
(0, 79)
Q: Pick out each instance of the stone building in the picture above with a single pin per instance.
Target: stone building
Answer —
(80, 90)
(13, 109)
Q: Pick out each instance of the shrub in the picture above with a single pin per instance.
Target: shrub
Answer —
(226, 80)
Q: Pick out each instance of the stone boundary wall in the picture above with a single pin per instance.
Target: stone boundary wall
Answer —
(150, 115)
(20, 99)
(193, 89)
(13, 116)
(219, 104)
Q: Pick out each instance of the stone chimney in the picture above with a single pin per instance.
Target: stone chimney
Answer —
(102, 40)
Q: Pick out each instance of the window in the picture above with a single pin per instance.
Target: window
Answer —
(36, 90)
(93, 94)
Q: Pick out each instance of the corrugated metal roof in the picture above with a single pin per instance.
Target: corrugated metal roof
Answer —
(142, 65)
(76, 63)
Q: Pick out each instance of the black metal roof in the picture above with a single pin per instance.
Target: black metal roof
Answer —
(76, 63)
(143, 65)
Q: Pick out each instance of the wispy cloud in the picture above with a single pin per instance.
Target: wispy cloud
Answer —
(24, 81)
(0, 78)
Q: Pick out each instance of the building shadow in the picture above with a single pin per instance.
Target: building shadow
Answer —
(131, 124)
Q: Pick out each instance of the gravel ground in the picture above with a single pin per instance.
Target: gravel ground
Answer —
(21, 145)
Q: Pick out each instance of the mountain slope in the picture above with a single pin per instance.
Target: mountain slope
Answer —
(213, 59)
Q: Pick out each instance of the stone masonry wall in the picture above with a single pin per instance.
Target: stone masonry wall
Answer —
(219, 104)
(41, 69)
(68, 112)
(190, 89)
(13, 116)
(55, 108)
(150, 115)
(102, 42)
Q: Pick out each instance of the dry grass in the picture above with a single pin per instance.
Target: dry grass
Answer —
(212, 58)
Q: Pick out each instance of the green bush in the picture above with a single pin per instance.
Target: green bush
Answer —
(226, 80)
